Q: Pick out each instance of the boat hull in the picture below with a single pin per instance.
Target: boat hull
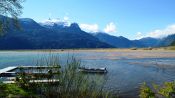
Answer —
(93, 70)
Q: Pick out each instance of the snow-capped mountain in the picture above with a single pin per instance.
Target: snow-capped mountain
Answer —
(34, 36)
(54, 23)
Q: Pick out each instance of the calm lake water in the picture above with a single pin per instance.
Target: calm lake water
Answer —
(127, 70)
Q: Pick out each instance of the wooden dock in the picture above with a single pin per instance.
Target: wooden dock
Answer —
(10, 74)
(9, 71)
(35, 81)
(38, 67)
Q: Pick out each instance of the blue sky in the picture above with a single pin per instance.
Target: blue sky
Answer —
(129, 18)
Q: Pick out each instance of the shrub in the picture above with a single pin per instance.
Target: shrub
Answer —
(77, 85)
(146, 92)
(167, 90)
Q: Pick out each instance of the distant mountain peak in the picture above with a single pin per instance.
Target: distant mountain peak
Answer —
(26, 20)
(54, 22)
(75, 26)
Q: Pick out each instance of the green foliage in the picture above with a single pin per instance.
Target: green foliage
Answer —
(167, 90)
(146, 92)
(7, 90)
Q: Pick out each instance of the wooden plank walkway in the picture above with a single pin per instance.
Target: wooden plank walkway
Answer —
(38, 67)
(35, 81)
(10, 74)
(7, 69)
(11, 68)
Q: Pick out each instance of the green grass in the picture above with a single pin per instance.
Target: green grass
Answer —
(11, 90)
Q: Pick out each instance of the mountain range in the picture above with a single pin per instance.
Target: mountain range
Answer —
(61, 35)
(34, 36)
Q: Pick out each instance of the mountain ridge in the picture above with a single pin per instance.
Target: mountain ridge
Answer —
(34, 35)
(123, 42)
(120, 41)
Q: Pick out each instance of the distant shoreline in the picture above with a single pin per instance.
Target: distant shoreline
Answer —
(111, 53)
(171, 48)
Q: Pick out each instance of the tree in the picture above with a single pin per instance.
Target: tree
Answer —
(9, 8)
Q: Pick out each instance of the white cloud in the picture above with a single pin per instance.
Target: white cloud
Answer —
(159, 33)
(89, 27)
(66, 18)
(110, 28)
(163, 32)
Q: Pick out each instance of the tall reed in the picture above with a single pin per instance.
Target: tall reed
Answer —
(72, 83)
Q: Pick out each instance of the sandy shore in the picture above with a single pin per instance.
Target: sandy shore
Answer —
(112, 53)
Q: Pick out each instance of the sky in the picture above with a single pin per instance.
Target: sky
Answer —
(133, 19)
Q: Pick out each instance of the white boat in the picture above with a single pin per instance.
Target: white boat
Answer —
(93, 70)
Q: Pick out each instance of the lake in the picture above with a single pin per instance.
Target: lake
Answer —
(127, 69)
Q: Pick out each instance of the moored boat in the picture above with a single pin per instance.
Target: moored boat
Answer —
(93, 70)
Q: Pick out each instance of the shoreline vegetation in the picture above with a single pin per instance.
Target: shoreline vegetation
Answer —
(166, 90)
